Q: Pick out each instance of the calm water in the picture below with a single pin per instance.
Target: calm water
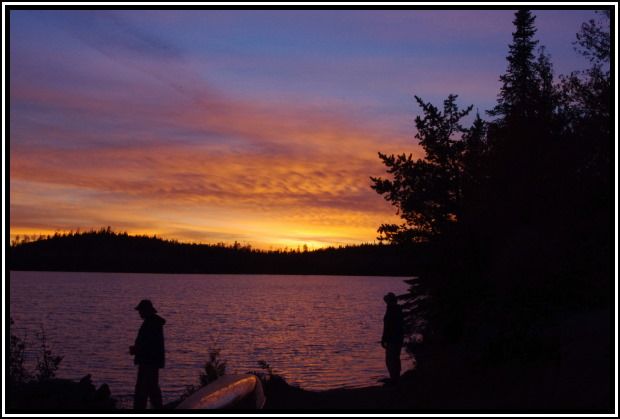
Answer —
(318, 332)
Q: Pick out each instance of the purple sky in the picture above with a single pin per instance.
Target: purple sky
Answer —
(256, 126)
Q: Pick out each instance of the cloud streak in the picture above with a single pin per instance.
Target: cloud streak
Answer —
(222, 126)
(275, 163)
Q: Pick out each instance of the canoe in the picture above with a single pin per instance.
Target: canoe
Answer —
(239, 391)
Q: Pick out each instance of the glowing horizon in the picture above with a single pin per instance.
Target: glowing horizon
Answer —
(260, 127)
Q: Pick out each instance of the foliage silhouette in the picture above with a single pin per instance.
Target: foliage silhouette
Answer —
(428, 192)
(519, 238)
(41, 390)
(47, 364)
(214, 368)
(18, 373)
(107, 251)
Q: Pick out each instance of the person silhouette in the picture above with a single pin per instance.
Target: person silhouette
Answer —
(393, 336)
(148, 352)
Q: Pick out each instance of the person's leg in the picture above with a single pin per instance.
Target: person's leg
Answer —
(154, 390)
(397, 366)
(141, 390)
(392, 355)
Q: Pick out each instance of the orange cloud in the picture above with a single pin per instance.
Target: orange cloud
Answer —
(196, 167)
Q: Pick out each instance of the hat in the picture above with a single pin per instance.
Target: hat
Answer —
(389, 297)
(146, 305)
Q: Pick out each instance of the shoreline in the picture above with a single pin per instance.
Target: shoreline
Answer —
(574, 377)
(216, 273)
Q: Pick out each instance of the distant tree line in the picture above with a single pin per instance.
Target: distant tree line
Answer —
(105, 250)
(517, 210)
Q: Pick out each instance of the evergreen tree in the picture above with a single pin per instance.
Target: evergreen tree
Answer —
(587, 164)
(587, 101)
(427, 192)
(528, 199)
(474, 153)
(527, 100)
(517, 92)
(523, 136)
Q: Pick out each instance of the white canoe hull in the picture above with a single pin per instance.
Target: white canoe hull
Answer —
(228, 392)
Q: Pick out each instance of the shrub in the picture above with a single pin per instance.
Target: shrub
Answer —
(18, 374)
(47, 364)
(213, 368)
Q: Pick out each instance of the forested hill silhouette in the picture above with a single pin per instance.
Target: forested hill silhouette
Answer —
(108, 251)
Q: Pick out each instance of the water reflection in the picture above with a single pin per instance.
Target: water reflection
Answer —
(318, 331)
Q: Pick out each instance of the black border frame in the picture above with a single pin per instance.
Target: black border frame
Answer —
(364, 5)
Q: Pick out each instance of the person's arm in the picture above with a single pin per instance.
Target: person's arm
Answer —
(142, 341)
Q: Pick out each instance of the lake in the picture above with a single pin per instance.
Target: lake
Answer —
(318, 332)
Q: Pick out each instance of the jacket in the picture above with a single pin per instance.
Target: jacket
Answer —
(149, 346)
(393, 325)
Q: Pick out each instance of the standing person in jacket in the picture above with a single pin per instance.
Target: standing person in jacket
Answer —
(393, 335)
(148, 352)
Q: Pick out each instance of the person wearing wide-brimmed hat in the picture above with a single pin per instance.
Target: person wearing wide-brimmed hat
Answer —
(393, 336)
(148, 352)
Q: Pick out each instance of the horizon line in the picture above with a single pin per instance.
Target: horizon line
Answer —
(298, 245)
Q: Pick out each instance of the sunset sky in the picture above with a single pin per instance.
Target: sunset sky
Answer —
(256, 126)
